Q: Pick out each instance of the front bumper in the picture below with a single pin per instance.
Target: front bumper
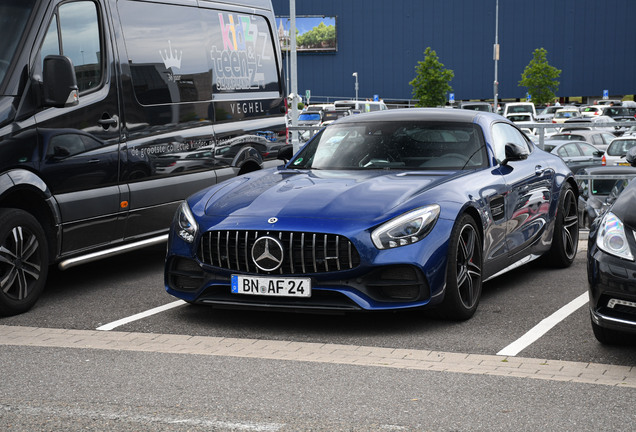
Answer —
(612, 290)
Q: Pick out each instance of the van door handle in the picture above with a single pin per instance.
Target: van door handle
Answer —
(107, 122)
(93, 161)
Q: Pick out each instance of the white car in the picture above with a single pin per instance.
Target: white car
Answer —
(519, 107)
(616, 151)
(591, 111)
(565, 113)
(522, 119)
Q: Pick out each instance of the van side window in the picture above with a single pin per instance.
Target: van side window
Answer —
(187, 54)
(74, 32)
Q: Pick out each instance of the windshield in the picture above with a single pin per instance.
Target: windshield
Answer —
(395, 145)
(13, 18)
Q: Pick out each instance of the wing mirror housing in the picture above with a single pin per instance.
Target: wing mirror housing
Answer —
(514, 153)
(286, 153)
(59, 82)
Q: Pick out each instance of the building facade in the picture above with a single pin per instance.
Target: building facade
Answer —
(593, 43)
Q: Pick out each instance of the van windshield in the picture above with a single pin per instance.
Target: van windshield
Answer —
(13, 18)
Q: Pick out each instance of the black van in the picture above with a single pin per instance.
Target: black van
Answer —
(113, 111)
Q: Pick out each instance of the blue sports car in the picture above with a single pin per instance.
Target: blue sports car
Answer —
(395, 209)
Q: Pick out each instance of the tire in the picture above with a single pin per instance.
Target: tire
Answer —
(565, 239)
(463, 271)
(24, 261)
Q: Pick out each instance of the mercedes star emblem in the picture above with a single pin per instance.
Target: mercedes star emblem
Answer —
(267, 253)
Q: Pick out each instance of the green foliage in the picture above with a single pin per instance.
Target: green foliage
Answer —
(321, 36)
(540, 79)
(431, 82)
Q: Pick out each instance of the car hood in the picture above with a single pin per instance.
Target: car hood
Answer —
(327, 194)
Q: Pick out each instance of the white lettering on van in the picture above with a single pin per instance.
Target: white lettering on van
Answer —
(247, 108)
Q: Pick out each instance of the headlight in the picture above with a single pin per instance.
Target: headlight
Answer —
(186, 225)
(407, 229)
(611, 237)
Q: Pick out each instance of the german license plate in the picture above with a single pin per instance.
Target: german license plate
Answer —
(271, 286)
(623, 164)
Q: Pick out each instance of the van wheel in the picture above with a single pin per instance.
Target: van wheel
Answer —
(24, 261)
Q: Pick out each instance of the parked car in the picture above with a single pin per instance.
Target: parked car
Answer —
(598, 139)
(591, 111)
(546, 114)
(620, 114)
(476, 106)
(396, 209)
(360, 105)
(565, 113)
(617, 151)
(595, 190)
(310, 118)
(519, 107)
(92, 95)
(611, 267)
(329, 117)
(522, 120)
(576, 154)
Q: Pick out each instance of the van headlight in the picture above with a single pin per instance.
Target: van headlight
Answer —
(406, 229)
(187, 227)
(611, 237)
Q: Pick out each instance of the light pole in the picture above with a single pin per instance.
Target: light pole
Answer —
(496, 56)
(355, 74)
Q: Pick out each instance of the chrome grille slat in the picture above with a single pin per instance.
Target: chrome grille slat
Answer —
(304, 251)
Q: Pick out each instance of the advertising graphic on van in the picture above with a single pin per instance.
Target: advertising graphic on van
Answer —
(246, 52)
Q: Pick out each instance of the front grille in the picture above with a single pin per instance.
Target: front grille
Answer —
(303, 252)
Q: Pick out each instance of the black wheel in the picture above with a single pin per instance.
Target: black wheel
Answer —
(463, 271)
(23, 261)
(565, 240)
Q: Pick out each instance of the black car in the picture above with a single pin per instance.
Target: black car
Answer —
(611, 267)
(598, 187)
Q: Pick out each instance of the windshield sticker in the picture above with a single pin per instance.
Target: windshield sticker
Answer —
(239, 63)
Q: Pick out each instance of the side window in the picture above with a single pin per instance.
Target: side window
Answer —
(74, 32)
(569, 150)
(503, 134)
(188, 54)
(587, 150)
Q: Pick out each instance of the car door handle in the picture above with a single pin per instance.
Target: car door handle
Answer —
(93, 161)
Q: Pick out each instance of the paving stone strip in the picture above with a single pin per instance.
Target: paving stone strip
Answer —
(479, 364)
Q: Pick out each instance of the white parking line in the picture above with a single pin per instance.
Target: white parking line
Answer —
(544, 326)
(140, 315)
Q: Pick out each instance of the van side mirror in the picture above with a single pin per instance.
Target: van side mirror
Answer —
(631, 156)
(60, 84)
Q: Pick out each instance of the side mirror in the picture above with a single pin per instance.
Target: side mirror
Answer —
(60, 84)
(286, 153)
(514, 153)
(631, 156)
(599, 153)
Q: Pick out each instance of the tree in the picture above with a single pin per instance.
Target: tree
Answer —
(540, 79)
(431, 82)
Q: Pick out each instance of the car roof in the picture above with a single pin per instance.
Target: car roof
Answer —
(422, 114)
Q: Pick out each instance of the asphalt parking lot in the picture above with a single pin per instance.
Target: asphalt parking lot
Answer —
(531, 330)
